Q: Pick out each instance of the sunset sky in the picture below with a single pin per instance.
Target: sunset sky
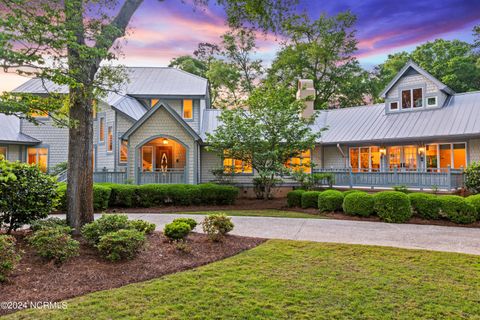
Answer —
(162, 30)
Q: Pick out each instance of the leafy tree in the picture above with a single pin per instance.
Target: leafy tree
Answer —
(224, 81)
(322, 50)
(189, 64)
(266, 135)
(453, 62)
(65, 42)
(26, 194)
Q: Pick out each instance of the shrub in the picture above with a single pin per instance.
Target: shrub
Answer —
(93, 231)
(310, 199)
(62, 197)
(142, 226)
(101, 196)
(216, 226)
(345, 193)
(475, 201)
(358, 203)
(191, 222)
(472, 177)
(48, 223)
(150, 195)
(392, 206)
(402, 189)
(177, 230)
(425, 205)
(121, 244)
(122, 195)
(330, 200)
(8, 256)
(458, 209)
(54, 244)
(294, 198)
(216, 194)
(183, 194)
(27, 194)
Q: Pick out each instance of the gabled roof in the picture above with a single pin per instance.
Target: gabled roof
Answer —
(127, 105)
(410, 64)
(10, 131)
(460, 117)
(152, 111)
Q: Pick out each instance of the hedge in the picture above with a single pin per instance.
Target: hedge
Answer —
(475, 201)
(359, 204)
(149, 195)
(294, 198)
(330, 200)
(346, 193)
(392, 206)
(310, 199)
(458, 209)
(425, 205)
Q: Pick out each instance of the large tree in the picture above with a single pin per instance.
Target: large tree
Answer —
(322, 50)
(453, 62)
(66, 42)
(266, 135)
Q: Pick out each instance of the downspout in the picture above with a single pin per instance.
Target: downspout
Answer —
(343, 155)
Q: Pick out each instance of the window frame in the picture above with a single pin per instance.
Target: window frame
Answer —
(431, 105)
(101, 129)
(232, 167)
(183, 110)
(412, 102)
(47, 164)
(359, 159)
(397, 108)
(121, 144)
(452, 163)
(153, 159)
(300, 164)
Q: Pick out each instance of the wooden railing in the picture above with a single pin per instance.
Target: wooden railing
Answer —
(447, 179)
(169, 176)
(110, 176)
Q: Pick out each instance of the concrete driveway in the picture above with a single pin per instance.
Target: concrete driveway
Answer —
(438, 238)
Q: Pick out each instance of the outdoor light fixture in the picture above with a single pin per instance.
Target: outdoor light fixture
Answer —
(421, 152)
(165, 141)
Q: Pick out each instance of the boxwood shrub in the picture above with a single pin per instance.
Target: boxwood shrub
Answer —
(191, 222)
(425, 205)
(177, 230)
(330, 200)
(392, 206)
(458, 209)
(211, 193)
(475, 201)
(121, 244)
(345, 193)
(310, 199)
(54, 244)
(359, 204)
(151, 195)
(294, 198)
(107, 223)
(122, 195)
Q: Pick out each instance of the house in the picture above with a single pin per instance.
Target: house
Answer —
(154, 131)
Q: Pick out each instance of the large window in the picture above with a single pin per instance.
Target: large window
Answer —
(304, 162)
(147, 158)
(410, 157)
(38, 156)
(3, 152)
(431, 157)
(365, 159)
(231, 165)
(188, 109)
(447, 155)
(110, 139)
(101, 129)
(394, 157)
(39, 114)
(412, 98)
(123, 151)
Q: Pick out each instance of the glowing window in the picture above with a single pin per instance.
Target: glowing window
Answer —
(188, 109)
(394, 157)
(302, 163)
(39, 114)
(109, 139)
(375, 158)
(101, 130)
(431, 156)
(147, 158)
(123, 152)
(354, 159)
(459, 156)
(153, 102)
(236, 166)
(39, 157)
(3, 152)
(445, 156)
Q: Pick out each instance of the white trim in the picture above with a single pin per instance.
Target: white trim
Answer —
(390, 106)
(431, 105)
(412, 102)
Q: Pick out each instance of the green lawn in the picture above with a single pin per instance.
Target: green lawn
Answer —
(262, 213)
(298, 280)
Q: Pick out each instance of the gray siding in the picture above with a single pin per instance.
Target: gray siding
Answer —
(51, 137)
(176, 105)
(332, 158)
(104, 159)
(123, 123)
(473, 146)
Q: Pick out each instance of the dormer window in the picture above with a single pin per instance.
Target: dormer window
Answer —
(432, 101)
(187, 109)
(412, 97)
(394, 106)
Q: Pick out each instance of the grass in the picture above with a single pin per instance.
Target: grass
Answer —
(260, 213)
(298, 280)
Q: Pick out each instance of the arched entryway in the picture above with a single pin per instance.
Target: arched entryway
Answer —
(162, 160)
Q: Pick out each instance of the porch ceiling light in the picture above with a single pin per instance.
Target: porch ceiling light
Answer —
(383, 151)
(421, 150)
(165, 141)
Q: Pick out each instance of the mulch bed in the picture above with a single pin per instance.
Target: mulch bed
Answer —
(37, 280)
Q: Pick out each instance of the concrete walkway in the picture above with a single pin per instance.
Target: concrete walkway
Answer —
(438, 238)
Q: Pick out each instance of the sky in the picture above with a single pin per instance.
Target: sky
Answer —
(162, 30)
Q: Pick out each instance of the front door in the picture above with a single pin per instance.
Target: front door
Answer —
(163, 158)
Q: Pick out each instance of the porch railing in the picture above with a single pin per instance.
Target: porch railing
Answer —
(170, 176)
(449, 179)
(110, 176)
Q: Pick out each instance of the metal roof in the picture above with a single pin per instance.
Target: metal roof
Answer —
(10, 131)
(460, 117)
(126, 105)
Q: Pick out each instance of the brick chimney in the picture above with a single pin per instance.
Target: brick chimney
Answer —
(306, 92)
